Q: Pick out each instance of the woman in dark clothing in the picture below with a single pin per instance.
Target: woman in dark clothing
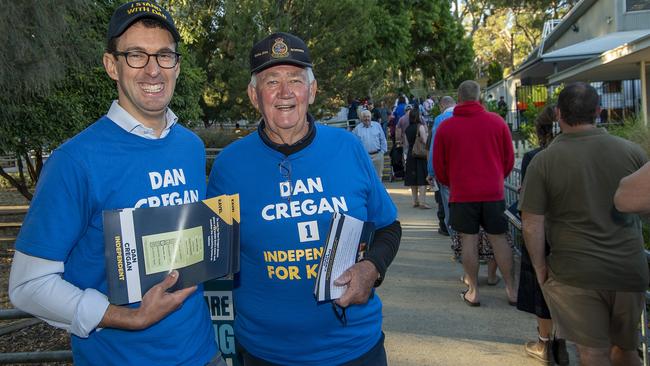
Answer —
(529, 296)
(416, 168)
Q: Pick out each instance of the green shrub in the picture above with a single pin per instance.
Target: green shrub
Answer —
(216, 137)
(635, 130)
(632, 129)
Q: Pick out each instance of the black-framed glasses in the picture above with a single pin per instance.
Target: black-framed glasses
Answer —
(140, 59)
(285, 172)
(339, 312)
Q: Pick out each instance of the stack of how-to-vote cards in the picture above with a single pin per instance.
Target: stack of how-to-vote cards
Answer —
(142, 245)
(347, 241)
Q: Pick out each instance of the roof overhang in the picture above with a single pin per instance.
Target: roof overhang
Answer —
(538, 70)
(620, 63)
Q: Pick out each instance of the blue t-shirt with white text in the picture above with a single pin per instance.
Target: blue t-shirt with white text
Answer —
(103, 168)
(286, 205)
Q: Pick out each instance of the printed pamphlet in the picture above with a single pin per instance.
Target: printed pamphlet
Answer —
(347, 241)
(142, 245)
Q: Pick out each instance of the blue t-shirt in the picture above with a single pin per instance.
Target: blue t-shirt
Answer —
(282, 234)
(436, 123)
(103, 168)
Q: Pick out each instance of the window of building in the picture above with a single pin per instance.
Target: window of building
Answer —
(637, 5)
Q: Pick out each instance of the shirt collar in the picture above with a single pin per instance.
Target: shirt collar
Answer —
(127, 122)
(450, 109)
(289, 149)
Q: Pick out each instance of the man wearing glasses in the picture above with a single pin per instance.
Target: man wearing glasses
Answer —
(292, 175)
(58, 271)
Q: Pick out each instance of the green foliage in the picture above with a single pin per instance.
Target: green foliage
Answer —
(359, 48)
(215, 137)
(189, 90)
(495, 72)
(442, 50)
(506, 31)
(56, 85)
(633, 129)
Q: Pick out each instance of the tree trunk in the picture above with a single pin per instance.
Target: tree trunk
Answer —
(22, 188)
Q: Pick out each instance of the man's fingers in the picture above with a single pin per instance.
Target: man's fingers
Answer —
(182, 294)
(169, 281)
(344, 279)
(344, 300)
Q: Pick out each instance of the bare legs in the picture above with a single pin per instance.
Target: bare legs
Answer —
(621, 357)
(418, 193)
(503, 256)
(469, 244)
(544, 327)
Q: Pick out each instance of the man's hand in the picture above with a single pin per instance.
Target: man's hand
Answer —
(360, 278)
(156, 304)
(430, 179)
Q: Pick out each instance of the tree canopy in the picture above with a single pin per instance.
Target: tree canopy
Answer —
(359, 47)
(54, 84)
(506, 31)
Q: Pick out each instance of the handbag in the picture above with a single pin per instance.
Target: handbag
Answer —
(419, 148)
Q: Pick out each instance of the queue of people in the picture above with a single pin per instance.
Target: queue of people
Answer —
(583, 246)
(583, 270)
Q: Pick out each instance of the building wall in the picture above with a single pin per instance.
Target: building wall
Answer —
(600, 19)
(633, 20)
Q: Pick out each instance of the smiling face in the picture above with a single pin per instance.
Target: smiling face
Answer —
(282, 95)
(144, 93)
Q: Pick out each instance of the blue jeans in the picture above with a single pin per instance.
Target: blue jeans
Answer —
(444, 195)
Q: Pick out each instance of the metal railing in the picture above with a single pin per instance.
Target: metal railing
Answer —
(24, 320)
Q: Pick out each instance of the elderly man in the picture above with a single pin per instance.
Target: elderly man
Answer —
(58, 272)
(373, 139)
(292, 175)
(472, 155)
(595, 279)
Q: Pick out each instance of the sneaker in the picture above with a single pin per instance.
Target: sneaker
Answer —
(443, 232)
(539, 350)
(560, 353)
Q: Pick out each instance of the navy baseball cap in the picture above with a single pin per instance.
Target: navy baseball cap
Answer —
(129, 13)
(279, 49)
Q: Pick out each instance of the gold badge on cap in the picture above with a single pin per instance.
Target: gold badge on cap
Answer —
(279, 49)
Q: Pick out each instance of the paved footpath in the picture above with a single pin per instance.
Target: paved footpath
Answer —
(426, 322)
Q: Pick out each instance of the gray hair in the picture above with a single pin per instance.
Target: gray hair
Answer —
(447, 101)
(365, 112)
(469, 90)
(310, 77)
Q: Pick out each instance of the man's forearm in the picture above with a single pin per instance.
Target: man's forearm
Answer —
(36, 286)
(534, 239)
(633, 193)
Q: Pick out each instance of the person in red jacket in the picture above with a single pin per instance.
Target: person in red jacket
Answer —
(472, 156)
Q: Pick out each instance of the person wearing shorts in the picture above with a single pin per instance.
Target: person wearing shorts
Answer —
(595, 278)
(472, 155)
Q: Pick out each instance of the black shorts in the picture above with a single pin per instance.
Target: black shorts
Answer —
(466, 217)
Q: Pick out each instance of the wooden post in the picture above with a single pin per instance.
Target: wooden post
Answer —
(644, 94)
